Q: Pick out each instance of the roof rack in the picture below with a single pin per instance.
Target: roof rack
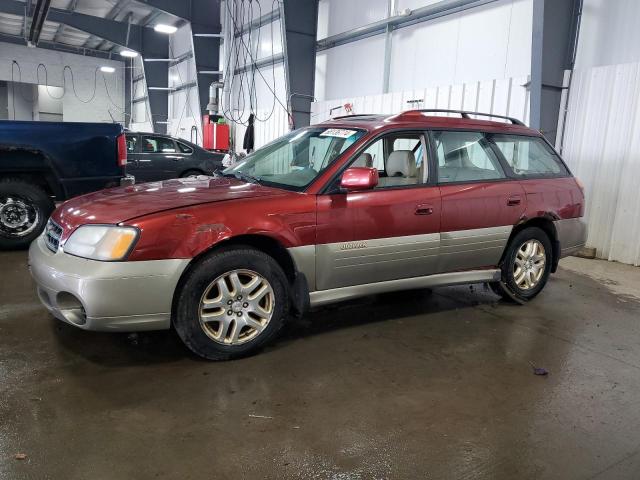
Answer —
(356, 115)
(465, 114)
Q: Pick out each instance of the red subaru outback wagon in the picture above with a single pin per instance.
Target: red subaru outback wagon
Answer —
(354, 206)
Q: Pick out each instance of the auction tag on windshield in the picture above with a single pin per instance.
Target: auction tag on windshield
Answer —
(337, 132)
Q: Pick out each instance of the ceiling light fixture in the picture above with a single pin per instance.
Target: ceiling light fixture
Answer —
(106, 69)
(162, 28)
(128, 53)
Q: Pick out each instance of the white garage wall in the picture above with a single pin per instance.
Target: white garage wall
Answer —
(337, 16)
(352, 69)
(602, 148)
(487, 42)
(501, 97)
(108, 100)
(609, 33)
(602, 133)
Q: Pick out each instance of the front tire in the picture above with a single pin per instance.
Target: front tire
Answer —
(24, 210)
(231, 304)
(526, 266)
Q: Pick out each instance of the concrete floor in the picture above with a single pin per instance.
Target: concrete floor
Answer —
(408, 385)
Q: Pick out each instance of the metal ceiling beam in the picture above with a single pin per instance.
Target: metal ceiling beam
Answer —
(37, 21)
(115, 32)
(180, 9)
(72, 7)
(58, 47)
(113, 13)
(422, 14)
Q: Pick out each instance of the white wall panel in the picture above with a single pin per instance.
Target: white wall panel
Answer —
(352, 69)
(491, 41)
(337, 16)
(502, 97)
(609, 33)
(108, 100)
(602, 148)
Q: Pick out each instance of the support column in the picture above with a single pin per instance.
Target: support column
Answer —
(554, 33)
(299, 25)
(156, 45)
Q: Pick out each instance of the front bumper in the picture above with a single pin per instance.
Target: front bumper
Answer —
(105, 296)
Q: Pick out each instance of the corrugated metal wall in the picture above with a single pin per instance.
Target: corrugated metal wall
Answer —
(503, 97)
(602, 148)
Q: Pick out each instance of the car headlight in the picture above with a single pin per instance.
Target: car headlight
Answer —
(101, 242)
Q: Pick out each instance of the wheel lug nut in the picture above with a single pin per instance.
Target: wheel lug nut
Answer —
(239, 297)
(239, 314)
(229, 302)
(245, 304)
(229, 312)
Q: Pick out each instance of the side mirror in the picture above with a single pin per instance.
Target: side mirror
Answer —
(359, 178)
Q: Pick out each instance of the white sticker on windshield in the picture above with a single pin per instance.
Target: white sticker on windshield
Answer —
(337, 132)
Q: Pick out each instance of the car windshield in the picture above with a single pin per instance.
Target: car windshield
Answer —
(295, 160)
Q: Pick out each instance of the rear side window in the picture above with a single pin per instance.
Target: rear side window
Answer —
(465, 157)
(529, 156)
(184, 148)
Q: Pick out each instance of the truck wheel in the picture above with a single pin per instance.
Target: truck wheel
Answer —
(526, 266)
(191, 173)
(24, 211)
(231, 303)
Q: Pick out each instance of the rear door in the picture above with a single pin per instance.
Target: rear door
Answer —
(480, 202)
(159, 158)
(388, 233)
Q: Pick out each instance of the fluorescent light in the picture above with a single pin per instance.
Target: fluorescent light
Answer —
(128, 53)
(106, 69)
(162, 28)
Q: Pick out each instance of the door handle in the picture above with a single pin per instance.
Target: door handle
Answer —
(424, 210)
(514, 200)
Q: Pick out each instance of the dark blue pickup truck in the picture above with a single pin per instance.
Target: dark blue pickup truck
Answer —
(45, 162)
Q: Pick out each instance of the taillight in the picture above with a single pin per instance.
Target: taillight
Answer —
(122, 150)
(580, 184)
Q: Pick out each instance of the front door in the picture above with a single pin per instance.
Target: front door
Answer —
(480, 204)
(388, 233)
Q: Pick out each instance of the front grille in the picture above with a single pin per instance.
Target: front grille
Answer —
(52, 234)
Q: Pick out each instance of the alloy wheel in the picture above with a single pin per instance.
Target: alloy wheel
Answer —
(236, 307)
(529, 264)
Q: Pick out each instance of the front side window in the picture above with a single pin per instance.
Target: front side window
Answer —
(465, 157)
(399, 158)
(529, 156)
(157, 145)
(297, 159)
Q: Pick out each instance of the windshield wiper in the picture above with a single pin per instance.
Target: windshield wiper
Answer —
(246, 177)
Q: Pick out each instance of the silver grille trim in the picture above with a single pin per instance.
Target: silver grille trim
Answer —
(52, 235)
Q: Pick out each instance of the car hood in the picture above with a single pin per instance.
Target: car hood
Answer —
(117, 205)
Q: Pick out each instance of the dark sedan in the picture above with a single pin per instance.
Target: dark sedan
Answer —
(152, 157)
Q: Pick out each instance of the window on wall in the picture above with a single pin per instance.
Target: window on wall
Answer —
(465, 157)
(529, 156)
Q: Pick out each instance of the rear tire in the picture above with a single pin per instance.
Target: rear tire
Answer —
(24, 211)
(231, 304)
(526, 266)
